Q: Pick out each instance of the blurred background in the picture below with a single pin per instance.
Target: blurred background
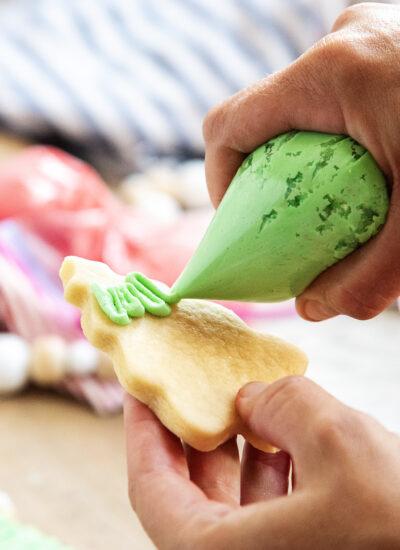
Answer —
(101, 156)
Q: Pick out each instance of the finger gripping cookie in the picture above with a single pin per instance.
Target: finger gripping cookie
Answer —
(186, 361)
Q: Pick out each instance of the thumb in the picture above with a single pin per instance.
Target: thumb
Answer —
(295, 415)
(300, 96)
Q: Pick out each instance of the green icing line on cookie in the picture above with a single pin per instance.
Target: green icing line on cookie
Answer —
(133, 298)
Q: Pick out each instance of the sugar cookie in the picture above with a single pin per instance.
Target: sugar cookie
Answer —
(188, 366)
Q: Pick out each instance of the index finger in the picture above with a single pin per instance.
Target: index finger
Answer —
(299, 97)
(167, 503)
(176, 514)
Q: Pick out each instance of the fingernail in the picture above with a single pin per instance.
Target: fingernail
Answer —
(315, 311)
(251, 390)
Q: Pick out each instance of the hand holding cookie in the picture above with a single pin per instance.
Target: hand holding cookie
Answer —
(346, 477)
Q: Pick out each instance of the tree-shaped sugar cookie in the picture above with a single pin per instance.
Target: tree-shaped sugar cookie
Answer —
(188, 363)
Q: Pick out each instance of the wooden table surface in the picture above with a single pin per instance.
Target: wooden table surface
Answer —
(64, 468)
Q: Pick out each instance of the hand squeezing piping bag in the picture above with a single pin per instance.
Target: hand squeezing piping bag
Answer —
(297, 205)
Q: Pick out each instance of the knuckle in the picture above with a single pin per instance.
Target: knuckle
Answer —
(223, 124)
(290, 384)
(333, 58)
(219, 486)
(283, 391)
(350, 14)
(214, 123)
(342, 54)
(337, 429)
(329, 50)
(330, 430)
(287, 387)
(351, 58)
(359, 307)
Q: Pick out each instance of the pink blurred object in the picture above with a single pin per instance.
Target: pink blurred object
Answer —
(31, 298)
(65, 202)
(104, 396)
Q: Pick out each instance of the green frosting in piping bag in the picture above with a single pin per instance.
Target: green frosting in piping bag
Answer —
(298, 204)
(133, 298)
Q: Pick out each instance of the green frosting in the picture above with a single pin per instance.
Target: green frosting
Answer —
(133, 298)
(14, 536)
(297, 205)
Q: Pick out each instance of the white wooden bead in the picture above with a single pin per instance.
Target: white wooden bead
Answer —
(47, 365)
(14, 361)
(191, 184)
(81, 358)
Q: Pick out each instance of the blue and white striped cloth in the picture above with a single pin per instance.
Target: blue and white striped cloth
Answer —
(121, 81)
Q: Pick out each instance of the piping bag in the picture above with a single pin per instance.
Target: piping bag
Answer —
(297, 205)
